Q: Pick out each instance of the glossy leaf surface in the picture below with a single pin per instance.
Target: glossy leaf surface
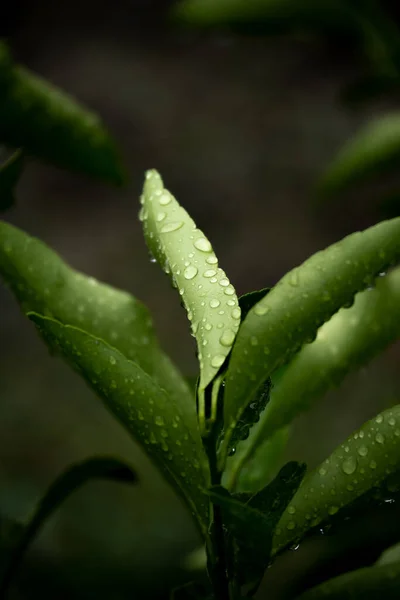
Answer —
(365, 459)
(49, 124)
(187, 256)
(43, 283)
(351, 338)
(364, 584)
(73, 478)
(163, 427)
(292, 312)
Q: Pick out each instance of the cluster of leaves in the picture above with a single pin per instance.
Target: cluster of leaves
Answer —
(263, 359)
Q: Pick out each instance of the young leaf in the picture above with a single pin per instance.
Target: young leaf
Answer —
(351, 338)
(364, 460)
(250, 521)
(10, 173)
(187, 256)
(292, 312)
(43, 283)
(51, 125)
(373, 150)
(163, 426)
(73, 478)
(369, 583)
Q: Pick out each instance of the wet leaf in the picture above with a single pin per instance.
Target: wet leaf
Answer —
(293, 311)
(372, 151)
(365, 459)
(10, 173)
(187, 256)
(247, 301)
(162, 426)
(363, 584)
(43, 283)
(51, 125)
(249, 522)
(73, 478)
(351, 338)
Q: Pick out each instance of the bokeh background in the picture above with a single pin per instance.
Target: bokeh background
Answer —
(241, 128)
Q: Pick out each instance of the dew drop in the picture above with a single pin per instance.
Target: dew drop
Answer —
(349, 465)
(291, 525)
(379, 419)
(253, 340)
(203, 245)
(214, 303)
(294, 278)
(159, 421)
(362, 451)
(260, 310)
(379, 438)
(291, 510)
(190, 272)
(322, 471)
(112, 360)
(224, 282)
(171, 226)
(210, 273)
(217, 360)
(140, 415)
(160, 217)
(231, 302)
(227, 338)
(229, 291)
(332, 510)
(212, 260)
(372, 464)
(208, 326)
(392, 421)
(164, 199)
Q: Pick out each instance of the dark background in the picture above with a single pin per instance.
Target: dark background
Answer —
(241, 128)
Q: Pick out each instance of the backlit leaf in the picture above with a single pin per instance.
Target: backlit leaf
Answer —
(161, 425)
(43, 283)
(187, 256)
(293, 311)
(365, 459)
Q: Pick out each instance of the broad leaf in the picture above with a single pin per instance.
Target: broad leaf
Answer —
(292, 312)
(187, 256)
(373, 150)
(351, 338)
(365, 459)
(73, 478)
(43, 283)
(10, 173)
(51, 125)
(364, 584)
(163, 426)
(250, 521)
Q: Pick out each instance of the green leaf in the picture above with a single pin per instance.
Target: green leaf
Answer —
(292, 312)
(51, 125)
(161, 425)
(250, 521)
(187, 256)
(270, 15)
(364, 460)
(10, 173)
(250, 475)
(247, 301)
(191, 591)
(372, 151)
(351, 338)
(43, 283)
(363, 584)
(73, 478)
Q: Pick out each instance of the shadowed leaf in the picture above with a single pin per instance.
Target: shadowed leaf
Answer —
(10, 173)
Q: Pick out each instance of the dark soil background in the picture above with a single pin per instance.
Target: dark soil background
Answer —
(241, 128)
